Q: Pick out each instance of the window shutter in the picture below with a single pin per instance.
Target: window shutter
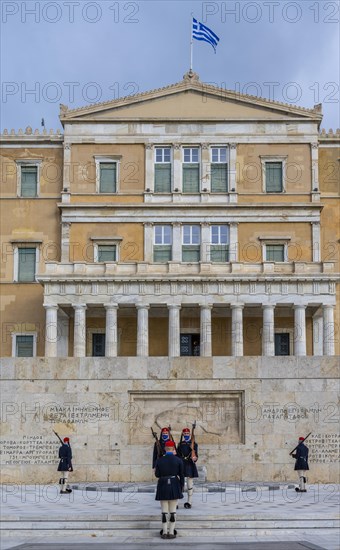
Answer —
(29, 180)
(163, 178)
(26, 267)
(191, 174)
(219, 253)
(191, 253)
(107, 253)
(24, 346)
(162, 254)
(108, 174)
(274, 177)
(275, 253)
(219, 178)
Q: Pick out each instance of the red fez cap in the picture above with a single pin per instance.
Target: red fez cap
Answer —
(66, 440)
(164, 430)
(185, 431)
(301, 438)
(170, 444)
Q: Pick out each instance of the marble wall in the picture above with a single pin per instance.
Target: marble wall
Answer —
(249, 412)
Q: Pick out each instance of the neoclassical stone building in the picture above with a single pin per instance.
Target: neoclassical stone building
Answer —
(156, 258)
(188, 220)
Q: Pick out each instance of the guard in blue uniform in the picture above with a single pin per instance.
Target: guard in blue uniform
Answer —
(189, 454)
(164, 437)
(301, 464)
(170, 473)
(65, 465)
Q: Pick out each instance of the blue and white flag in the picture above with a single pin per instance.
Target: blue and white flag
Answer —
(201, 32)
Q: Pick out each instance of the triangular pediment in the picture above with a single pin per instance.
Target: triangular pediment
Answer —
(189, 100)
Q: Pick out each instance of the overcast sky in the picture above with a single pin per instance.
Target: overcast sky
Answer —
(81, 52)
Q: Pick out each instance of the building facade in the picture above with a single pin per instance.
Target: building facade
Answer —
(185, 221)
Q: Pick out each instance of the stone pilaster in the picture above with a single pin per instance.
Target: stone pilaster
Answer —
(65, 242)
(316, 241)
(176, 242)
(205, 242)
(149, 167)
(148, 242)
(177, 167)
(233, 242)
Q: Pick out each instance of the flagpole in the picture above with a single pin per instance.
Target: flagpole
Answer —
(191, 45)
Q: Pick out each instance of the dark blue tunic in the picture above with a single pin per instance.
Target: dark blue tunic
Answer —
(301, 455)
(184, 452)
(155, 452)
(65, 455)
(170, 473)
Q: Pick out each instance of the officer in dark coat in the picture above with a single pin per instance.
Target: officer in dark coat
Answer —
(301, 464)
(164, 437)
(189, 455)
(65, 465)
(170, 473)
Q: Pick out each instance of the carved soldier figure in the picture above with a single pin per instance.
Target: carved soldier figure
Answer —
(187, 450)
(301, 464)
(164, 437)
(170, 473)
(65, 465)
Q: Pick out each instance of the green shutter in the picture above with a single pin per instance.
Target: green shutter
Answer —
(24, 346)
(191, 174)
(29, 181)
(162, 253)
(107, 253)
(191, 253)
(274, 177)
(108, 174)
(275, 253)
(163, 178)
(219, 178)
(219, 253)
(26, 267)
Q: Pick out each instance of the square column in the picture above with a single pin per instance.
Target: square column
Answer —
(205, 347)
(205, 242)
(177, 166)
(51, 331)
(316, 242)
(237, 330)
(111, 333)
(176, 242)
(233, 242)
(79, 341)
(206, 168)
(148, 242)
(149, 167)
(142, 330)
(174, 331)
(300, 330)
(232, 184)
(328, 330)
(268, 343)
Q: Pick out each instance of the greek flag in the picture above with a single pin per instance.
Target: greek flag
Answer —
(201, 32)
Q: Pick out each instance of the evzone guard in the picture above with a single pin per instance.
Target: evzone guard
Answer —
(65, 464)
(187, 450)
(300, 453)
(159, 446)
(170, 473)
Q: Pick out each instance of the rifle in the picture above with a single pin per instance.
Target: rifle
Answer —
(291, 452)
(158, 445)
(58, 437)
(171, 436)
(193, 453)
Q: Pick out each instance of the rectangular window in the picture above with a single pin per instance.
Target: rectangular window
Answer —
(219, 170)
(162, 170)
(273, 174)
(275, 252)
(191, 249)
(29, 181)
(191, 170)
(24, 346)
(107, 177)
(162, 250)
(107, 253)
(26, 265)
(219, 248)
